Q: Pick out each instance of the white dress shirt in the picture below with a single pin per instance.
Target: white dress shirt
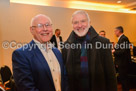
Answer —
(52, 61)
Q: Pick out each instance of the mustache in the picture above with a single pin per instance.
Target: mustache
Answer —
(80, 29)
(83, 28)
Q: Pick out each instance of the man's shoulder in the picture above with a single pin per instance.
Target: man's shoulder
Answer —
(53, 36)
(26, 49)
(124, 38)
(60, 36)
(103, 39)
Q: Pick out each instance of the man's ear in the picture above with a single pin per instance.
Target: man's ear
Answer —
(90, 23)
(32, 30)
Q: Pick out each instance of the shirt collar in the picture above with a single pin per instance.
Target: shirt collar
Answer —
(47, 46)
(120, 36)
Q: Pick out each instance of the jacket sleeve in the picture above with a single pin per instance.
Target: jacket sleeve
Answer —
(22, 72)
(109, 70)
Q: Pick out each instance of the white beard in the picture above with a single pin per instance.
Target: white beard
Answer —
(83, 33)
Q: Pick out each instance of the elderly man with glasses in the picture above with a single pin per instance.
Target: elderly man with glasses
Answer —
(89, 67)
(38, 66)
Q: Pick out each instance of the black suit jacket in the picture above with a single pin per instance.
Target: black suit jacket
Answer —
(54, 41)
(122, 55)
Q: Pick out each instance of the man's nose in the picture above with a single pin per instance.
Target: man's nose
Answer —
(79, 24)
(44, 28)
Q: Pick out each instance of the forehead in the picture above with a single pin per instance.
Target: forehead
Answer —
(116, 30)
(78, 17)
(41, 20)
(102, 32)
(58, 31)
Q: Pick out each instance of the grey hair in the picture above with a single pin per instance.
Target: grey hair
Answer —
(32, 20)
(81, 12)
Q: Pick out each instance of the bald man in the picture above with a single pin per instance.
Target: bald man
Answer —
(38, 66)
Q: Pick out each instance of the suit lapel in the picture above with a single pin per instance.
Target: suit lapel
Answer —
(59, 60)
(43, 61)
(120, 38)
(59, 57)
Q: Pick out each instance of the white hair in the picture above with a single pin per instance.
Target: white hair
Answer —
(39, 15)
(81, 12)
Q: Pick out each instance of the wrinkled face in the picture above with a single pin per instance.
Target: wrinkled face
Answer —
(41, 29)
(102, 34)
(80, 24)
(117, 32)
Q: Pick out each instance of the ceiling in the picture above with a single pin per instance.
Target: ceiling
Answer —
(127, 3)
(126, 6)
(124, 2)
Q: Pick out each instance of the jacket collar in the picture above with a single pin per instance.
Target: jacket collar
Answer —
(120, 36)
(72, 37)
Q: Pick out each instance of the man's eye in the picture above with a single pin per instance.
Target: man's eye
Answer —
(40, 25)
(46, 24)
(75, 22)
(83, 21)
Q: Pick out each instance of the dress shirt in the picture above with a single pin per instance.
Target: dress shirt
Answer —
(52, 61)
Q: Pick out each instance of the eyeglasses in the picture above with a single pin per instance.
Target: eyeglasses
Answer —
(41, 26)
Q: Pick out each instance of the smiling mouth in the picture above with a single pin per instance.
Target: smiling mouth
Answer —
(80, 30)
(45, 34)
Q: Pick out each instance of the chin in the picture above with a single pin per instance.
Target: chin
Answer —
(45, 40)
(81, 34)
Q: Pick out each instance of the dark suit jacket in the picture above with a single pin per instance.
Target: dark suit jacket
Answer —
(54, 41)
(100, 64)
(31, 71)
(122, 55)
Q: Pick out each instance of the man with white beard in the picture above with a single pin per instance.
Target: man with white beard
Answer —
(88, 69)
